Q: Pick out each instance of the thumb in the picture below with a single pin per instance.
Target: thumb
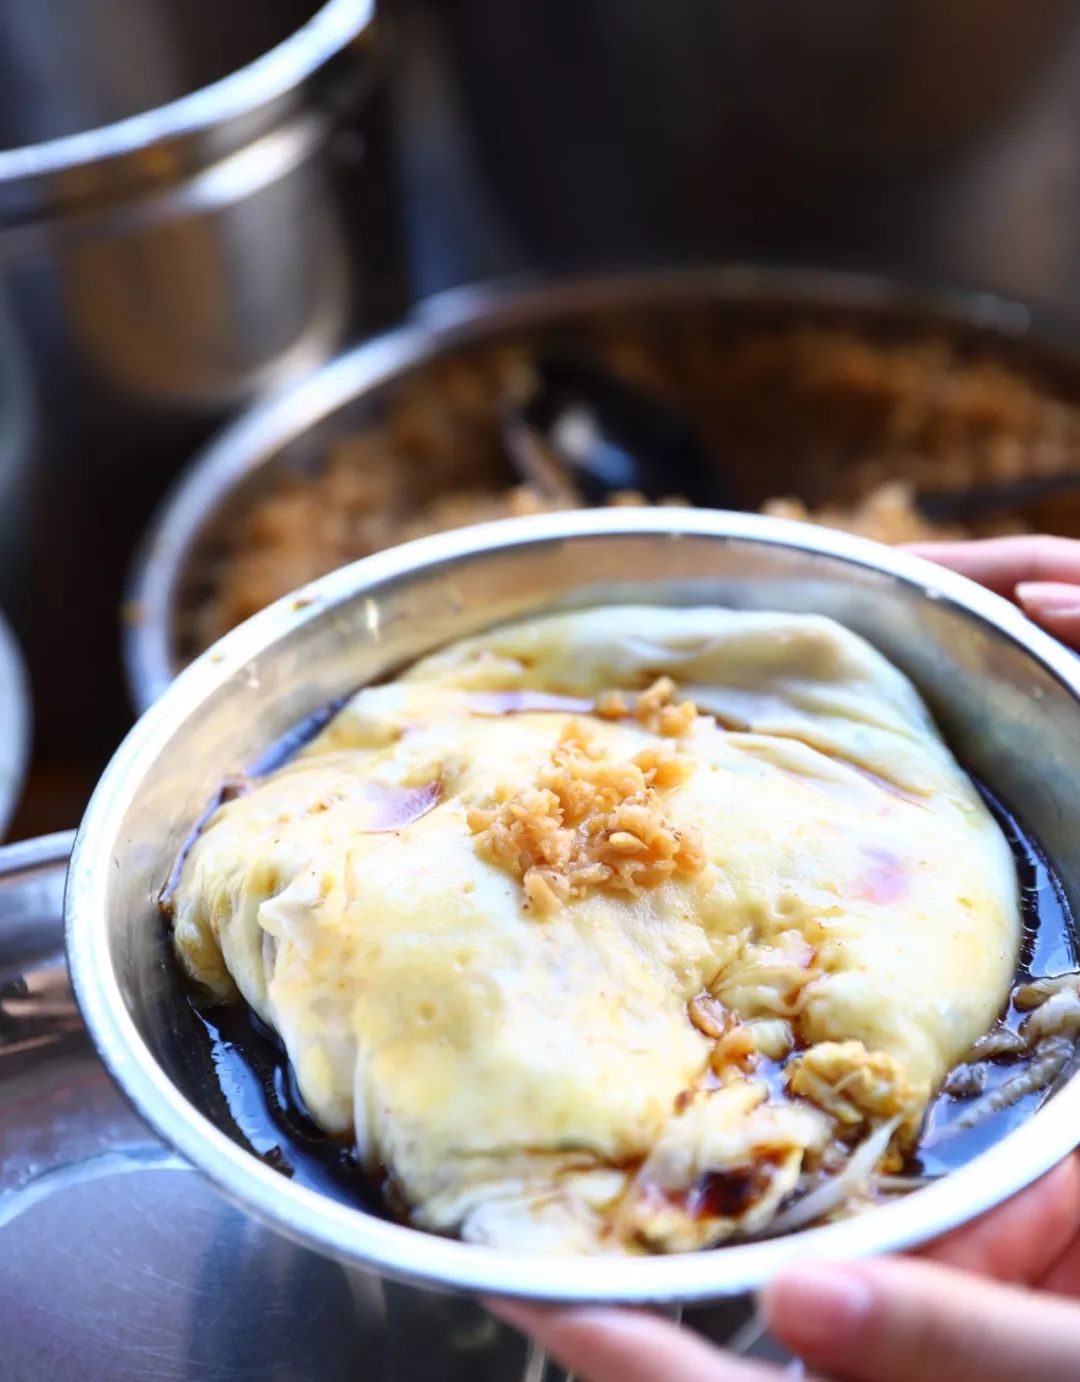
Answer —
(895, 1320)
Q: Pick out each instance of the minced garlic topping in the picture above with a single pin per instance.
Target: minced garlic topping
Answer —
(656, 709)
(591, 821)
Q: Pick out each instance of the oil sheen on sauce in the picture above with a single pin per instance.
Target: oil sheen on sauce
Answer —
(251, 1068)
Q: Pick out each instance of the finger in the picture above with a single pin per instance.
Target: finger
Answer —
(626, 1346)
(1023, 1238)
(1053, 605)
(896, 1319)
(1063, 1278)
(1003, 563)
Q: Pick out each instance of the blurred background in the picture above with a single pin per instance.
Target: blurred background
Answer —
(284, 282)
(202, 204)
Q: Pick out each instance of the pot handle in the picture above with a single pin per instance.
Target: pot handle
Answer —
(32, 878)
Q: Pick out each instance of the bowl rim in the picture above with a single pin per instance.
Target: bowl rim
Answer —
(355, 1237)
(465, 317)
(266, 78)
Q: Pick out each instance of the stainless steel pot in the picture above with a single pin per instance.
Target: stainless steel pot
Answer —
(171, 244)
(196, 524)
(1007, 695)
(166, 227)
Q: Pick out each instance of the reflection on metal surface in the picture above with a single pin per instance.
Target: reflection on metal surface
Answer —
(14, 717)
(118, 1260)
(36, 1010)
(146, 1273)
(32, 875)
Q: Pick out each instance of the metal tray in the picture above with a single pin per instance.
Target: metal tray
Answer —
(117, 1260)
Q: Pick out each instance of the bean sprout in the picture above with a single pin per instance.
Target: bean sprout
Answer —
(855, 1178)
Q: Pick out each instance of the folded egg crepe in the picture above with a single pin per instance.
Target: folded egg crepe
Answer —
(613, 930)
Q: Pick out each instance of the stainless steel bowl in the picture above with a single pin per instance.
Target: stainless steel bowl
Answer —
(198, 521)
(14, 724)
(1006, 694)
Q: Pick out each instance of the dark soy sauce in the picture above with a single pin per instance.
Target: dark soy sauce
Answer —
(293, 740)
(269, 1115)
(276, 756)
(270, 1120)
(1048, 948)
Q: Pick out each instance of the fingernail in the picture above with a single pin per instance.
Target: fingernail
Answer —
(1049, 597)
(817, 1305)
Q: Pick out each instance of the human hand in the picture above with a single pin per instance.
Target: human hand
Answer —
(1042, 574)
(995, 1301)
